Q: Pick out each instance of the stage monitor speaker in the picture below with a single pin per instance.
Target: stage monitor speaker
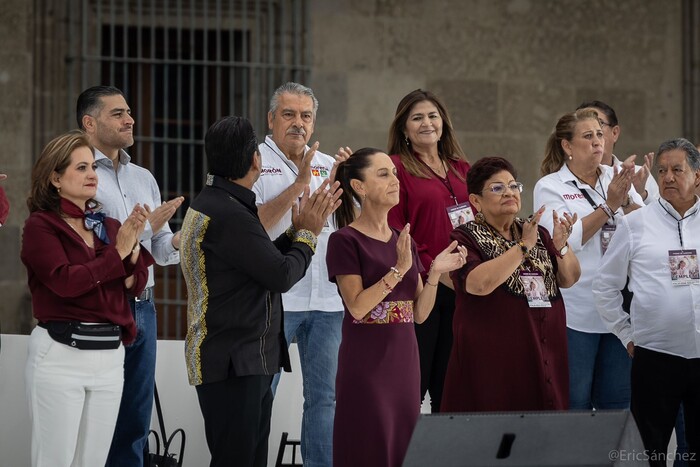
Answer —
(539, 439)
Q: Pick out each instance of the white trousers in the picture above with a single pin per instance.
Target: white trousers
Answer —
(74, 398)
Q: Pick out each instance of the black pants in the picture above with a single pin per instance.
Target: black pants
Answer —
(237, 415)
(434, 337)
(660, 382)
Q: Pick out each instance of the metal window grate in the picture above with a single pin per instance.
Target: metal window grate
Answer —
(182, 65)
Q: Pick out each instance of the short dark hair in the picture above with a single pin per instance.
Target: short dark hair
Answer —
(230, 145)
(89, 101)
(691, 152)
(600, 105)
(484, 169)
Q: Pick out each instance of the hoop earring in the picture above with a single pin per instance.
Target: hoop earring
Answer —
(479, 218)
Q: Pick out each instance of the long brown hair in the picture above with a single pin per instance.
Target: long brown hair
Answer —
(55, 157)
(448, 146)
(554, 155)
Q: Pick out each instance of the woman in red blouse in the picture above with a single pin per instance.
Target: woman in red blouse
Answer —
(432, 169)
(80, 267)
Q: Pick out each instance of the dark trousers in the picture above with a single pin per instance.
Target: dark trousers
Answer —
(434, 337)
(237, 415)
(660, 383)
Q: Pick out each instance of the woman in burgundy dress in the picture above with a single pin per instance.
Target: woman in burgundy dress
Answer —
(433, 198)
(377, 272)
(509, 351)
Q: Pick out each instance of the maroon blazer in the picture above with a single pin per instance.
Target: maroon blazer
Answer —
(71, 281)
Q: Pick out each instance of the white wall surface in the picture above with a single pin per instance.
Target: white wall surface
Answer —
(178, 399)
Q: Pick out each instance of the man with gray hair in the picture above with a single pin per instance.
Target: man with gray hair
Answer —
(313, 311)
(662, 331)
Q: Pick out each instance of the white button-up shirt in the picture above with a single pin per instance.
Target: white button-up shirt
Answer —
(663, 317)
(314, 291)
(561, 191)
(120, 191)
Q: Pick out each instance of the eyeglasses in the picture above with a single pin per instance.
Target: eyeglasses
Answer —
(603, 123)
(500, 188)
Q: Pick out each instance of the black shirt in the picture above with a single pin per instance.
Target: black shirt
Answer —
(235, 275)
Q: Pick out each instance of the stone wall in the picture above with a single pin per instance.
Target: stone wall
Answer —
(16, 124)
(506, 69)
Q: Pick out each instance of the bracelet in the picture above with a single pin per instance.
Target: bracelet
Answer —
(306, 237)
(427, 282)
(606, 209)
(396, 273)
(429, 271)
(387, 288)
(525, 250)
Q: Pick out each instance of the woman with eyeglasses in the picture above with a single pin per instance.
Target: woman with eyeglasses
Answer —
(509, 350)
(432, 169)
(574, 181)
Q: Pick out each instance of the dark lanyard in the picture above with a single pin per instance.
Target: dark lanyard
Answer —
(445, 181)
(289, 163)
(678, 221)
(588, 197)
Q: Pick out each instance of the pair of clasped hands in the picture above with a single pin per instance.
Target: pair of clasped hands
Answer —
(133, 226)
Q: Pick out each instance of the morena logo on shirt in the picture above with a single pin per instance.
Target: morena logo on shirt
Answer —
(271, 171)
(573, 196)
(319, 171)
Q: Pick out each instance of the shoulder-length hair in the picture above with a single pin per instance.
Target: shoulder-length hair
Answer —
(55, 157)
(448, 146)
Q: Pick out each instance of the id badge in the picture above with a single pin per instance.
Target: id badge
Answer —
(535, 290)
(460, 214)
(606, 234)
(683, 265)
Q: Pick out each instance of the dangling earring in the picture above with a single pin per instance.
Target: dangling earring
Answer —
(571, 157)
(58, 189)
(479, 218)
(364, 197)
(408, 143)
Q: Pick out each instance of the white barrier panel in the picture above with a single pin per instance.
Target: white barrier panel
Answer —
(178, 399)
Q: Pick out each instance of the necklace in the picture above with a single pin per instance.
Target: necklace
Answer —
(76, 231)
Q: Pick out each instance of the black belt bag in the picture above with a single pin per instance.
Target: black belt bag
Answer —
(84, 336)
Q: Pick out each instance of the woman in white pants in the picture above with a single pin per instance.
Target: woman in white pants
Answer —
(80, 266)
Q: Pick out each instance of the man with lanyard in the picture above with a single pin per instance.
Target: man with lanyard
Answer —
(102, 112)
(662, 331)
(313, 311)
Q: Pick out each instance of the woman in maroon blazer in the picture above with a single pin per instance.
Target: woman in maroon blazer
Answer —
(80, 267)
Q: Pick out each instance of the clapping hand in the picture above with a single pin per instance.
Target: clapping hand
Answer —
(562, 228)
(162, 214)
(3, 176)
(403, 250)
(639, 179)
(342, 156)
(529, 237)
(619, 187)
(130, 231)
(313, 210)
(448, 261)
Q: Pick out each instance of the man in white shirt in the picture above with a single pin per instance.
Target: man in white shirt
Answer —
(313, 310)
(662, 331)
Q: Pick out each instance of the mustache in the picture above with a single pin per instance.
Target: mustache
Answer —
(297, 131)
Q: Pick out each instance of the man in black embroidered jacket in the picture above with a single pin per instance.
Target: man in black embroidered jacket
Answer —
(235, 274)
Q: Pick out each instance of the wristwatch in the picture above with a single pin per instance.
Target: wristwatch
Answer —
(563, 250)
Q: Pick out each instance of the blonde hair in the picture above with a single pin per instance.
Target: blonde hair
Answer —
(554, 155)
